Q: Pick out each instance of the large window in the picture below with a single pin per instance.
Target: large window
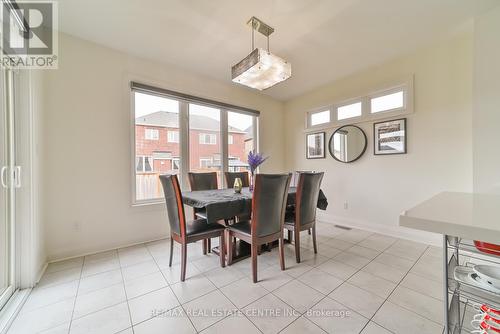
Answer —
(188, 136)
(154, 157)
(204, 145)
(240, 129)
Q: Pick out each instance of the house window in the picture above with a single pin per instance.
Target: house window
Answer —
(388, 102)
(320, 117)
(152, 134)
(192, 131)
(173, 136)
(206, 163)
(208, 138)
(349, 111)
(176, 164)
(144, 164)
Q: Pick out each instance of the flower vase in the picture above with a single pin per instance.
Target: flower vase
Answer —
(252, 182)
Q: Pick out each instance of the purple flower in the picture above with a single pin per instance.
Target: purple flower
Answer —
(255, 160)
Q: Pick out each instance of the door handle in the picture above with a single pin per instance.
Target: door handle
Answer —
(2, 176)
(17, 177)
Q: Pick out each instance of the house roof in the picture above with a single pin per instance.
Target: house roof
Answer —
(169, 119)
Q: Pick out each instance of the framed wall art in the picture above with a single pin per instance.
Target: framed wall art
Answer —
(315, 145)
(389, 137)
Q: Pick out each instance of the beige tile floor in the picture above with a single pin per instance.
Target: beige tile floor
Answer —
(359, 282)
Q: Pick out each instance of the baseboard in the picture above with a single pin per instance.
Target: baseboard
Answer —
(41, 272)
(58, 259)
(393, 231)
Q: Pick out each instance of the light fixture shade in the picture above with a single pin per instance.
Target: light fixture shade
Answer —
(261, 70)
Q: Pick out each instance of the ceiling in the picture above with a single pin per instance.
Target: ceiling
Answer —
(323, 39)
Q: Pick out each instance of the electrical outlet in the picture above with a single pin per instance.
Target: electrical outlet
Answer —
(346, 205)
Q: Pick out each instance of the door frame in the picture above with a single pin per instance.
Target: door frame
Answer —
(8, 83)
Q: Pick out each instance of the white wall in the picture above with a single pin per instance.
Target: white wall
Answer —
(486, 115)
(379, 188)
(87, 145)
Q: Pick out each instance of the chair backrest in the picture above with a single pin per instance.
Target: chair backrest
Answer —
(307, 197)
(203, 181)
(296, 176)
(231, 176)
(173, 200)
(269, 203)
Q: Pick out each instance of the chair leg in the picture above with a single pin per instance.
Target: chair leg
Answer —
(309, 231)
(204, 243)
(209, 245)
(230, 240)
(289, 238)
(282, 253)
(222, 250)
(183, 261)
(314, 239)
(254, 262)
(297, 245)
(171, 252)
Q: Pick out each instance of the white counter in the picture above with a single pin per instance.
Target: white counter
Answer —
(466, 215)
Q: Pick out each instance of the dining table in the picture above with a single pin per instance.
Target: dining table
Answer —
(223, 205)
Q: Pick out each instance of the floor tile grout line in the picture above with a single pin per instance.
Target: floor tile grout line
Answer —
(76, 298)
(292, 278)
(237, 308)
(170, 287)
(387, 299)
(395, 287)
(125, 290)
(347, 279)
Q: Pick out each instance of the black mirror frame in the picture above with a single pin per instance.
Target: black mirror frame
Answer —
(331, 138)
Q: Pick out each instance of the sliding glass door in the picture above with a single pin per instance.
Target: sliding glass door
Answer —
(7, 171)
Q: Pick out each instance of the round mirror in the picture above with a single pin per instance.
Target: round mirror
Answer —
(347, 144)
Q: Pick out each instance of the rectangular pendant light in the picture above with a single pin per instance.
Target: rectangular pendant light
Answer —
(261, 70)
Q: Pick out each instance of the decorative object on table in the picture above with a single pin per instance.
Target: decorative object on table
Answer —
(347, 143)
(231, 176)
(315, 145)
(254, 161)
(261, 69)
(238, 185)
(390, 137)
(487, 247)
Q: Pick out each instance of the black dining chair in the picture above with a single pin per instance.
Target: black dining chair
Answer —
(268, 214)
(304, 216)
(290, 210)
(186, 232)
(203, 181)
(231, 176)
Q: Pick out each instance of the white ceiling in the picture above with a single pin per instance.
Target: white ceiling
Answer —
(324, 39)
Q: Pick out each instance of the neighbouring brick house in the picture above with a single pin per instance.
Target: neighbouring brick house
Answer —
(158, 149)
